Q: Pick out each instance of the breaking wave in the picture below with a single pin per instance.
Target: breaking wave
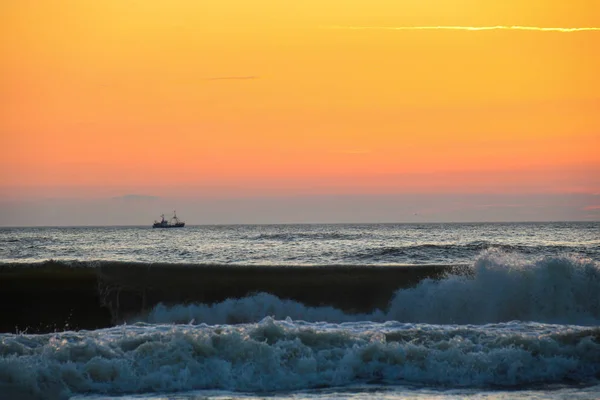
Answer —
(497, 288)
(286, 355)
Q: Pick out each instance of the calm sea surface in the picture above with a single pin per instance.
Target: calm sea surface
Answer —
(523, 323)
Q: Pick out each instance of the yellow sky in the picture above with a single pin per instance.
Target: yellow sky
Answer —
(281, 95)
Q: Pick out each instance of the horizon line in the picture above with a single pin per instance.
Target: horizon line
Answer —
(430, 222)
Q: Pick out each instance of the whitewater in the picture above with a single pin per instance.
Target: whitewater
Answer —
(476, 311)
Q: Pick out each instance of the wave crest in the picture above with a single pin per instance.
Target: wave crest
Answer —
(505, 287)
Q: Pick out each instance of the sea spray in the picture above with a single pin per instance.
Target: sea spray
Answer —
(503, 287)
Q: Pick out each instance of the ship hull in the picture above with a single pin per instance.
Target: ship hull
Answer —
(174, 222)
(168, 226)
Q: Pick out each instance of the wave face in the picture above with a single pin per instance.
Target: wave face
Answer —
(497, 288)
(286, 355)
(109, 293)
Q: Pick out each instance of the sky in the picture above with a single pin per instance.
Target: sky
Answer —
(268, 111)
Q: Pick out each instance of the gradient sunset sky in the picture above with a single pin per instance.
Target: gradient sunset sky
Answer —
(122, 108)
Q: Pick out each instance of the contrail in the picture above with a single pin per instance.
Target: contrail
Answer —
(466, 28)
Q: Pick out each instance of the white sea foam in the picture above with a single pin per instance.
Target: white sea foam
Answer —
(251, 309)
(499, 287)
(504, 288)
(285, 355)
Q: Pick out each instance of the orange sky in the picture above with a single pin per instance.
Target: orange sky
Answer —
(132, 94)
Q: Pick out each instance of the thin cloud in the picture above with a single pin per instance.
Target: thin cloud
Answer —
(467, 28)
(135, 197)
(232, 78)
(500, 205)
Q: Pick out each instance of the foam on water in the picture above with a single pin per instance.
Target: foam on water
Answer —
(504, 287)
(284, 355)
(499, 287)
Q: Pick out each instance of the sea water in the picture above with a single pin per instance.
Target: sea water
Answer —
(520, 318)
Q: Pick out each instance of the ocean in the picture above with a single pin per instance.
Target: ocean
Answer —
(366, 311)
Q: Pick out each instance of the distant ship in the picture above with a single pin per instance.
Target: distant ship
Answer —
(172, 223)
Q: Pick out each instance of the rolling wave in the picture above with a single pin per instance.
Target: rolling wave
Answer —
(496, 288)
(428, 252)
